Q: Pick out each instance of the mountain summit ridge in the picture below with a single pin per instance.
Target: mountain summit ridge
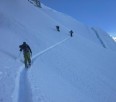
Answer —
(80, 68)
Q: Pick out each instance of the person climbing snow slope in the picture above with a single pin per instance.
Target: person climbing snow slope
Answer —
(27, 54)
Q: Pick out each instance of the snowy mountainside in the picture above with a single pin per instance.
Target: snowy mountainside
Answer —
(114, 38)
(64, 69)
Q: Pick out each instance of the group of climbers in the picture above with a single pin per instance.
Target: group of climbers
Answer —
(58, 29)
(25, 48)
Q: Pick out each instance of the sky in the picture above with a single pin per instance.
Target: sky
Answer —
(99, 13)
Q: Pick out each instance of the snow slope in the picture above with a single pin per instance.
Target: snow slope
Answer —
(64, 69)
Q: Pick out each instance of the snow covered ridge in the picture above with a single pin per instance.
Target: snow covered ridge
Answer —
(81, 68)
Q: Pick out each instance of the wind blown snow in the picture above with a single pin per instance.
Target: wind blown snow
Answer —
(81, 68)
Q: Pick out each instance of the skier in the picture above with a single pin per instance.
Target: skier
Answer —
(71, 33)
(27, 54)
(58, 28)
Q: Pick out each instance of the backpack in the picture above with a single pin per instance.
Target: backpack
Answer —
(25, 48)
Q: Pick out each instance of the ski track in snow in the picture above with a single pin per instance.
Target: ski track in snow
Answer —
(23, 92)
(47, 49)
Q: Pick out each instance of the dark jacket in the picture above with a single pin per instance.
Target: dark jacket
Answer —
(25, 48)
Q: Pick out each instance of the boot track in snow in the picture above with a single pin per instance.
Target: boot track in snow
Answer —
(23, 91)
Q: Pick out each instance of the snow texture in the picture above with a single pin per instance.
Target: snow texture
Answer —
(81, 68)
